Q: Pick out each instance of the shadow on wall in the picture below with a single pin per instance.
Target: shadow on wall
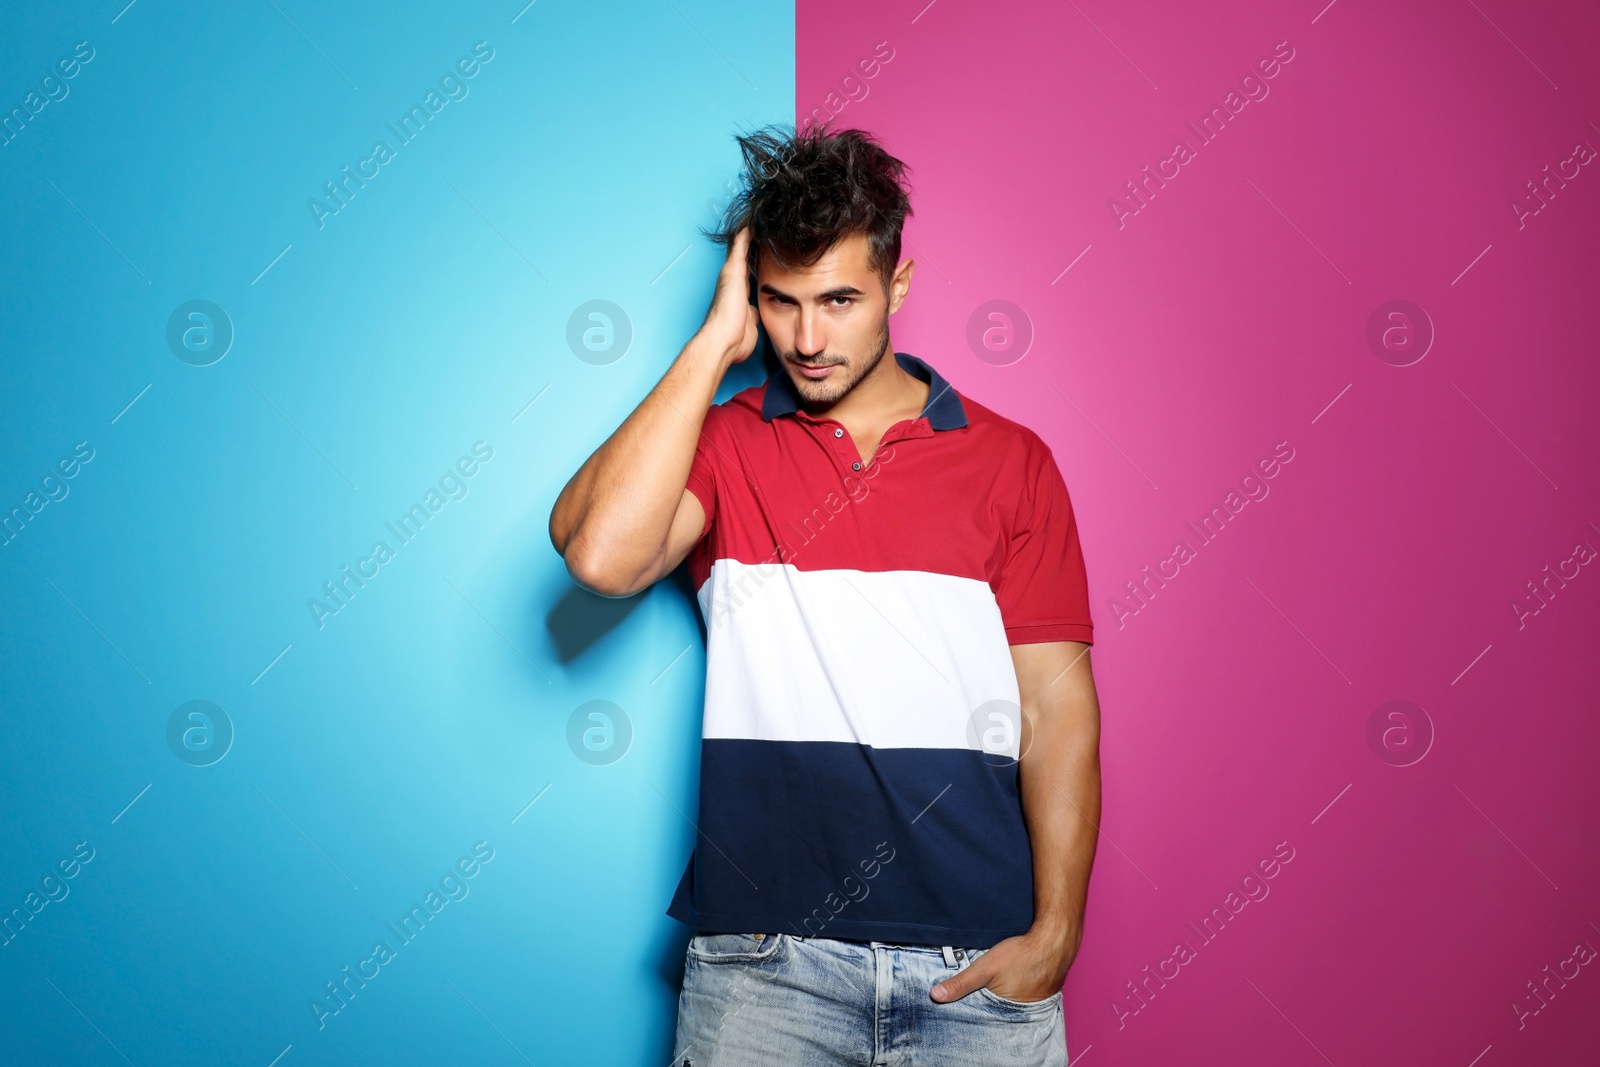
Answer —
(581, 618)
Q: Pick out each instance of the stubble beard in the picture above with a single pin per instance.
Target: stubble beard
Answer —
(834, 387)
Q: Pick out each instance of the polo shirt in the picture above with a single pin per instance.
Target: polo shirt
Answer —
(858, 774)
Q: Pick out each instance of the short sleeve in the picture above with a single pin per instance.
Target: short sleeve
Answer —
(1043, 590)
(703, 478)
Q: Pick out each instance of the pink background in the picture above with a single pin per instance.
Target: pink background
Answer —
(1228, 315)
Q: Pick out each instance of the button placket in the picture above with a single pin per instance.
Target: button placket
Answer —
(894, 433)
(850, 448)
(846, 449)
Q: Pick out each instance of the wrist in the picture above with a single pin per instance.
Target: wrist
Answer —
(1060, 933)
(706, 353)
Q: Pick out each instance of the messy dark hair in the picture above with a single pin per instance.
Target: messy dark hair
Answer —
(803, 192)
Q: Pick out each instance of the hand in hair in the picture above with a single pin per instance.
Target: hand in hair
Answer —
(730, 326)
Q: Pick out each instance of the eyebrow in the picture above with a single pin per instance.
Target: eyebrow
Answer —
(840, 290)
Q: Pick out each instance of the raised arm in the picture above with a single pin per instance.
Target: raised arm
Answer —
(626, 518)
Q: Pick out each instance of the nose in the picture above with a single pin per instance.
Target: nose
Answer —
(808, 339)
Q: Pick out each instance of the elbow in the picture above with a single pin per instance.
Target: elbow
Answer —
(591, 571)
(583, 565)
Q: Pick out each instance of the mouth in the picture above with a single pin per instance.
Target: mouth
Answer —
(813, 370)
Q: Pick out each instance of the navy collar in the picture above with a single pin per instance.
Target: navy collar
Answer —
(943, 410)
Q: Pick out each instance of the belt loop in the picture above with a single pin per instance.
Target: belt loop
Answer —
(949, 955)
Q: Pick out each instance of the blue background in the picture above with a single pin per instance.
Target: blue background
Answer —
(428, 314)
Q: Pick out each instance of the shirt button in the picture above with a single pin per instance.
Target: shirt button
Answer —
(855, 466)
(838, 433)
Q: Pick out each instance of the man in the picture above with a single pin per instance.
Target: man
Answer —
(899, 783)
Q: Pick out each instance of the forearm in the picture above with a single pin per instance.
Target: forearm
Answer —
(614, 514)
(1059, 778)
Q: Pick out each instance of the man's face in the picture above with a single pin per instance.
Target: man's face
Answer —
(832, 317)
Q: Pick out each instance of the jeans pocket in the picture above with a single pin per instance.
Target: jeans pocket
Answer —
(1048, 1004)
(735, 948)
(1014, 1007)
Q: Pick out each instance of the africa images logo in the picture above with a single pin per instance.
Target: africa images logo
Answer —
(452, 86)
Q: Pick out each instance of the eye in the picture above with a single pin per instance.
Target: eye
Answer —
(847, 301)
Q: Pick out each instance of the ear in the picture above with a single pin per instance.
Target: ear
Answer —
(900, 284)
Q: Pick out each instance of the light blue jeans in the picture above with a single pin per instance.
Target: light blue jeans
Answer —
(758, 999)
